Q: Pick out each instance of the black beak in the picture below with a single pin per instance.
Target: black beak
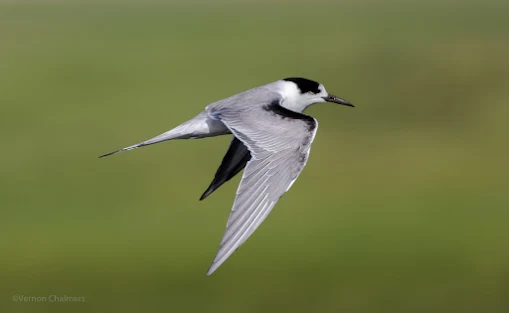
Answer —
(331, 98)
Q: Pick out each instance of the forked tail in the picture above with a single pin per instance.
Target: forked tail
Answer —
(200, 126)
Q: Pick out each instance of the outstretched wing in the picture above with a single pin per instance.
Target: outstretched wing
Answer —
(279, 141)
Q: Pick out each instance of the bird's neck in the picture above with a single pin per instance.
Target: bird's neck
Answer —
(294, 105)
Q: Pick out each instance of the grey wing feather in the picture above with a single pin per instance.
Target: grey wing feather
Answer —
(279, 146)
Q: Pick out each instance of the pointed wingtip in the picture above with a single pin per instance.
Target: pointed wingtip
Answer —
(206, 193)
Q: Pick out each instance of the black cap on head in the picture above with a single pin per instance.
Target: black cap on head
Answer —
(305, 85)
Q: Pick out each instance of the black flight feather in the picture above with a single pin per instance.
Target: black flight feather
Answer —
(233, 162)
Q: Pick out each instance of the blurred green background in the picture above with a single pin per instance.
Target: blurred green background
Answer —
(403, 206)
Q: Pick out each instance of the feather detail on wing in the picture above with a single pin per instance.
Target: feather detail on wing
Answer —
(279, 141)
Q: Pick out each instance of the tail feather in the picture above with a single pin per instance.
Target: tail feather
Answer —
(175, 133)
(124, 149)
(200, 126)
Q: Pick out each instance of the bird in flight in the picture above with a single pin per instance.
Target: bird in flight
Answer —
(271, 139)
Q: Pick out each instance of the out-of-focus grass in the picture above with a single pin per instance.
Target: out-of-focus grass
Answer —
(402, 207)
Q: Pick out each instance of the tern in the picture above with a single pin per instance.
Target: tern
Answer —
(271, 139)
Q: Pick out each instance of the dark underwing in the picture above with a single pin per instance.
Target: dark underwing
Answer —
(233, 162)
(238, 155)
